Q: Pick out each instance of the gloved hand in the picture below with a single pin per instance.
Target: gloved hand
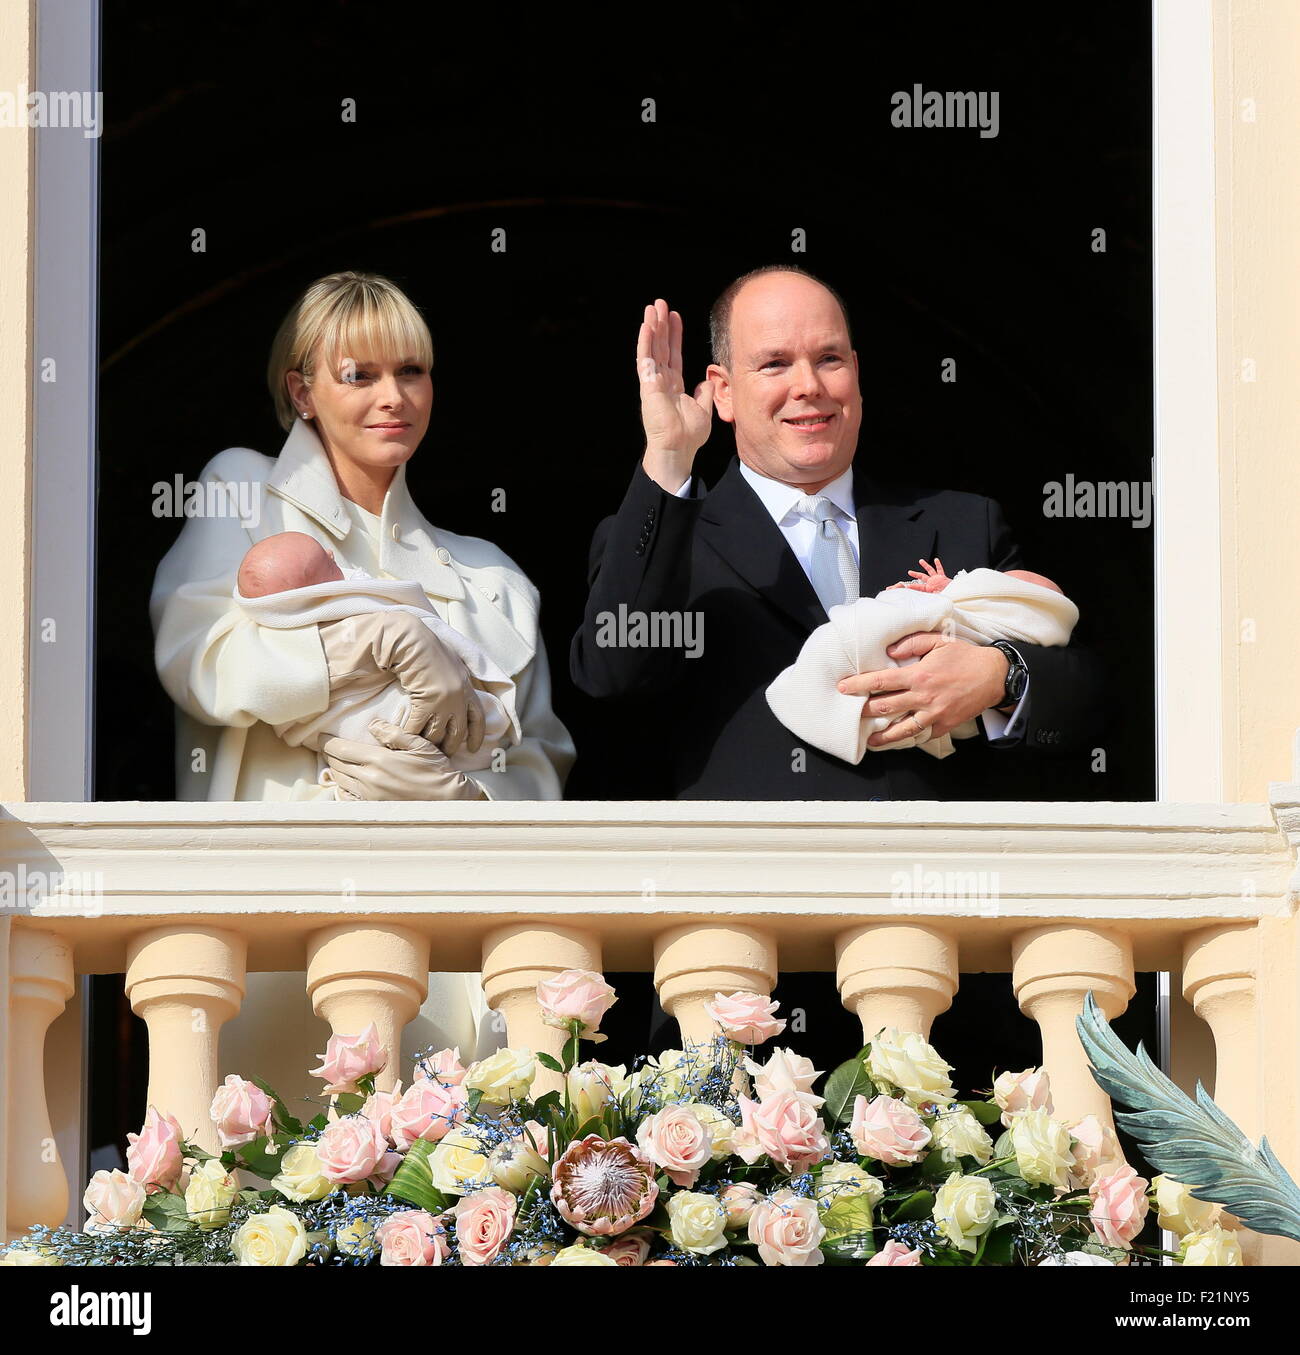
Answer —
(401, 766)
(444, 706)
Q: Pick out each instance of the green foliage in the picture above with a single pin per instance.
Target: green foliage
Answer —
(849, 1081)
(413, 1180)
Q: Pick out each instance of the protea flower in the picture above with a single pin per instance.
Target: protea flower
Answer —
(603, 1187)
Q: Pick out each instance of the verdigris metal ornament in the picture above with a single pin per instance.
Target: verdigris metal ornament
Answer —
(1192, 1141)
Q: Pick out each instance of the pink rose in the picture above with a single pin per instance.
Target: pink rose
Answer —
(888, 1130)
(746, 1018)
(787, 1231)
(385, 1168)
(895, 1254)
(1094, 1146)
(631, 1249)
(1119, 1206)
(379, 1108)
(1016, 1093)
(350, 1149)
(676, 1140)
(576, 995)
(154, 1155)
(787, 1129)
(113, 1197)
(484, 1222)
(412, 1238)
(241, 1111)
(785, 1071)
(348, 1058)
(444, 1066)
(739, 1200)
(426, 1110)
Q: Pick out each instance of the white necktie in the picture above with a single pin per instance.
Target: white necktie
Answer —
(834, 571)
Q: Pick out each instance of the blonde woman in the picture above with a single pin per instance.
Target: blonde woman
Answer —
(350, 374)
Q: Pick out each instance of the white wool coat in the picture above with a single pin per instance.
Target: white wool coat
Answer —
(232, 679)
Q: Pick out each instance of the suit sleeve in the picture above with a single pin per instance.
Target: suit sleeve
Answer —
(1066, 683)
(640, 561)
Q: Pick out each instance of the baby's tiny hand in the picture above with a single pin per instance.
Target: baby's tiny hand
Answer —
(932, 580)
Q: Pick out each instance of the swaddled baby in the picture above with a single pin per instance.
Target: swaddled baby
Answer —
(290, 580)
(979, 605)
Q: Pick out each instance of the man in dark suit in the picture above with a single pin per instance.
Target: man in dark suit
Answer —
(698, 600)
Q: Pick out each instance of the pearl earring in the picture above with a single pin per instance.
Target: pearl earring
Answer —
(305, 415)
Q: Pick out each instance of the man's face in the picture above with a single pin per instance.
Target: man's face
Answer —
(792, 389)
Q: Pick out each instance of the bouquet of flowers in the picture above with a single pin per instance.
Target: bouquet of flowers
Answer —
(707, 1155)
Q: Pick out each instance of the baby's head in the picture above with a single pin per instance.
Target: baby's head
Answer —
(286, 560)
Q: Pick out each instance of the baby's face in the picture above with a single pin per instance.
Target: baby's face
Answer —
(323, 568)
(285, 561)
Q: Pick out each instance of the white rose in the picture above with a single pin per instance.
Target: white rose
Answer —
(592, 1086)
(210, 1193)
(300, 1177)
(902, 1062)
(1179, 1210)
(458, 1164)
(356, 1237)
(1029, 1089)
(722, 1131)
(503, 1077)
(965, 1209)
(1214, 1246)
(276, 1238)
(578, 1255)
(114, 1198)
(676, 1072)
(1042, 1148)
(28, 1256)
(698, 1222)
(515, 1162)
(847, 1181)
(961, 1134)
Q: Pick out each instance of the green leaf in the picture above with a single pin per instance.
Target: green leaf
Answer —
(348, 1103)
(545, 1105)
(843, 1087)
(592, 1126)
(475, 1100)
(263, 1157)
(919, 1205)
(318, 1122)
(999, 1246)
(572, 1053)
(280, 1111)
(413, 1180)
(986, 1112)
(548, 1061)
(167, 1212)
(848, 1223)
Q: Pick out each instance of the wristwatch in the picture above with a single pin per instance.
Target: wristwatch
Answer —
(1017, 674)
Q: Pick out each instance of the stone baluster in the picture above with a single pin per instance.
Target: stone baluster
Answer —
(516, 958)
(40, 984)
(695, 962)
(185, 983)
(896, 974)
(359, 974)
(1054, 967)
(1219, 981)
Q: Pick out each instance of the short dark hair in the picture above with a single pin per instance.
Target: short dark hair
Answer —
(720, 315)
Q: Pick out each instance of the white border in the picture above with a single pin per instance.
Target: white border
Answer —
(1189, 587)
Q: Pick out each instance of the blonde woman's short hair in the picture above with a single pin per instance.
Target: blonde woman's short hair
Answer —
(357, 315)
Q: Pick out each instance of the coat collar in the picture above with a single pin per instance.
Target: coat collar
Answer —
(408, 545)
(893, 533)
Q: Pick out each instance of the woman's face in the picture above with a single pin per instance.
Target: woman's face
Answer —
(372, 413)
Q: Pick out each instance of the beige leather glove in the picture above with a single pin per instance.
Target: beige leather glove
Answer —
(401, 766)
(444, 707)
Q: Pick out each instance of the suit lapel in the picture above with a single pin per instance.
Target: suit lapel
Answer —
(735, 524)
(893, 533)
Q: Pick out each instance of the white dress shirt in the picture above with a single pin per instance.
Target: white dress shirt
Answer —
(800, 532)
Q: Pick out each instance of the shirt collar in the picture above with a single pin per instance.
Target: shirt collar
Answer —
(779, 499)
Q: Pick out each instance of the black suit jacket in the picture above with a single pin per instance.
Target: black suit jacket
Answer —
(722, 556)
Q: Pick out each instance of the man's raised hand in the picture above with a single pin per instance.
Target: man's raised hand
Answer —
(676, 424)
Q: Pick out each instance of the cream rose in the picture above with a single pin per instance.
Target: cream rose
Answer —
(965, 1209)
(785, 1071)
(356, 1237)
(516, 1161)
(1214, 1246)
(722, 1131)
(578, 1255)
(903, 1062)
(276, 1238)
(29, 1256)
(503, 1077)
(210, 1193)
(458, 1164)
(958, 1132)
(114, 1198)
(1042, 1148)
(848, 1181)
(301, 1177)
(697, 1223)
(1179, 1210)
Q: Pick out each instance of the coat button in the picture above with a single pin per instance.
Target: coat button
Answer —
(444, 555)
(397, 532)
